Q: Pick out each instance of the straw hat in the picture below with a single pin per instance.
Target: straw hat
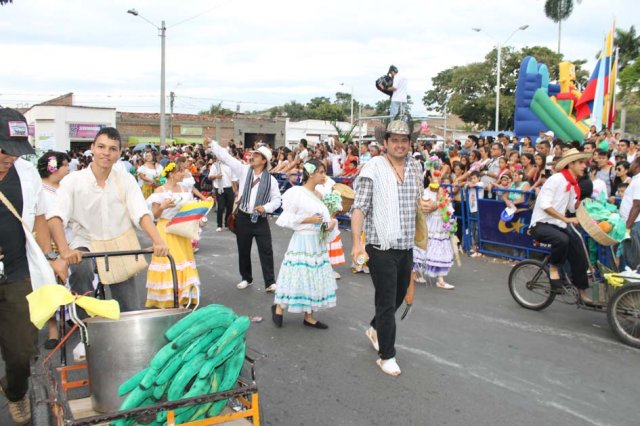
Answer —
(570, 156)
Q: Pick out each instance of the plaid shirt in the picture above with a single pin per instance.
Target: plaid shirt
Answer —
(408, 194)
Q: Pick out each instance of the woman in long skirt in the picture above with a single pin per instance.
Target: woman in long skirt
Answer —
(165, 203)
(305, 282)
(437, 260)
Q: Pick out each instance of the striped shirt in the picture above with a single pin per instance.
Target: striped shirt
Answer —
(408, 193)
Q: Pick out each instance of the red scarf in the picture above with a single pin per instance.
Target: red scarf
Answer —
(571, 182)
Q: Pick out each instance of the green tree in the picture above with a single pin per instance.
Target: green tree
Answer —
(628, 43)
(471, 88)
(218, 110)
(558, 11)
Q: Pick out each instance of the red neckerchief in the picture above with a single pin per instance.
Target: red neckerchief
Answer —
(572, 182)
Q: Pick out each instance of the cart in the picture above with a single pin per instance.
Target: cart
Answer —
(51, 403)
(530, 287)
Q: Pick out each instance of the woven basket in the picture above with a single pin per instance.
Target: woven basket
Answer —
(347, 195)
(592, 228)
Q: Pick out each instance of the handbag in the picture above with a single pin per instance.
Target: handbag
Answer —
(121, 268)
(421, 234)
(40, 272)
(231, 219)
(187, 221)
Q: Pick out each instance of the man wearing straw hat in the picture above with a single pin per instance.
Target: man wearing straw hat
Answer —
(387, 193)
(550, 225)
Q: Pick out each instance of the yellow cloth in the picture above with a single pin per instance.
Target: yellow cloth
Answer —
(45, 301)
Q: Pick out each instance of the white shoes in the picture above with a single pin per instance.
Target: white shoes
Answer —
(372, 334)
(336, 275)
(420, 279)
(243, 284)
(271, 288)
(389, 366)
(219, 230)
(445, 286)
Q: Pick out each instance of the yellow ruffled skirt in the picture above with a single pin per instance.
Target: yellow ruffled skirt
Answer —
(159, 280)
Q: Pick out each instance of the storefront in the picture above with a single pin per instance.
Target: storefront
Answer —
(66, 128)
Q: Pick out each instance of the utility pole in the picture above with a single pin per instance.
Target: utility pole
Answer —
(172, 98)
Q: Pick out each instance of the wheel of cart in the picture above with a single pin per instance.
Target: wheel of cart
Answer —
(530, 287)
(50, 386)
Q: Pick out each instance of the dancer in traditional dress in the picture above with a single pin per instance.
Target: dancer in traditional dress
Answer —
(165, 203)
(306, 282)
(334, 246)
(149, 173)
(437, 260)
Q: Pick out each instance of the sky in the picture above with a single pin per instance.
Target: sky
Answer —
(258, 54)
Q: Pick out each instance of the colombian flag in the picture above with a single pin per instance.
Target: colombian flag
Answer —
(593, 96)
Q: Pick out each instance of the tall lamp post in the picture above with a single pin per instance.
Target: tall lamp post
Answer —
(498, 65)
(162, 29)
(342, 84)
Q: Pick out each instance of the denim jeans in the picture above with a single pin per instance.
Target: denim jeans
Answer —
(396, 107)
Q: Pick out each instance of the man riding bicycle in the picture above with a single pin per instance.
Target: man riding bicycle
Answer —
(549, 223)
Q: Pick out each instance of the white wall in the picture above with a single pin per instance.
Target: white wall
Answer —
(52, 123)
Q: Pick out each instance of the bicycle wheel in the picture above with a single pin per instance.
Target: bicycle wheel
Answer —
(623, 312)
(529, 285)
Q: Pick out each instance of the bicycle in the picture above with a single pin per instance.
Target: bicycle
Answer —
(530, 286)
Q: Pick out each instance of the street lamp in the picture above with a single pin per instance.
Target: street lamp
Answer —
(342, 84)
(498, 63)
(162, 30)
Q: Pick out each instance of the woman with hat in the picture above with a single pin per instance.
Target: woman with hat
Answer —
(550, 224)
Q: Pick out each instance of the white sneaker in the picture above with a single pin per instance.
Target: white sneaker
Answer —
(271, 288)
(389, 366)
(420, 279)
(372, 334)
(445, 286)
(219, 229)
(79, 352)
(243, 284)
(336, 275)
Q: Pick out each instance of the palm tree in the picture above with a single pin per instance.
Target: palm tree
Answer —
(629, 47)
(629, 44)
(558, 11)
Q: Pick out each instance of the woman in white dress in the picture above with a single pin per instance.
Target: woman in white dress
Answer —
(52, 167)
(149, 173)
(306, 282)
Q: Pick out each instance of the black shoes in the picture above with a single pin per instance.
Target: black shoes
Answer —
(317, 324)
(277, 318)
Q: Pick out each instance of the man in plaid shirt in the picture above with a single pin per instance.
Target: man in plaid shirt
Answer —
(388, 193)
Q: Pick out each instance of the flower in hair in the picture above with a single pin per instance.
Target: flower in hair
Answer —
(310, 168)
(168, 169)
(52, 164)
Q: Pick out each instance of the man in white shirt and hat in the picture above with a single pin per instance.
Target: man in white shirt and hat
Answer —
(258, 195)
(551, 225)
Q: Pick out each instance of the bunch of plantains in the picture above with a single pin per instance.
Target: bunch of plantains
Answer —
(204, 355)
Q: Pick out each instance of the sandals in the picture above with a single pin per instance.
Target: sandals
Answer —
(372, 334)
(389, 366)
(557, 285)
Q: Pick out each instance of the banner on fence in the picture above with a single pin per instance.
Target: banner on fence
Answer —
(493, 229)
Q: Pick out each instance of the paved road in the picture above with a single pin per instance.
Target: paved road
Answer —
(470, 356)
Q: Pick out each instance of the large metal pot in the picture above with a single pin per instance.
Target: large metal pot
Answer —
(117, 350)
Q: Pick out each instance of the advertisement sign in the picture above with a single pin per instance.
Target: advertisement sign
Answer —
(88, 131)
(491, 227)
(191, 130)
